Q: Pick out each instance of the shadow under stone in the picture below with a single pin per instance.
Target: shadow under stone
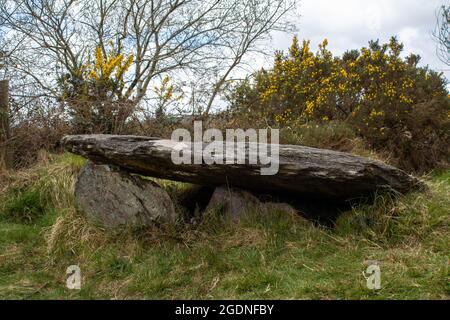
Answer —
(320, 211)
(195, 199)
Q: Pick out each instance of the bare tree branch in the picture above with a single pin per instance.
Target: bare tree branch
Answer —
(209, 39)
(442, 34)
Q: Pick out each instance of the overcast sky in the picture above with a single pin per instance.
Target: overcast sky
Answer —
(350, 24)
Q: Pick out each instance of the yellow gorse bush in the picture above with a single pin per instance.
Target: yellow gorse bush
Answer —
(95, 92)
(384, 96)
(110, 67)
(320, 86)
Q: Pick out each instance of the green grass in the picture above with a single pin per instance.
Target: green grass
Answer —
(275, 256)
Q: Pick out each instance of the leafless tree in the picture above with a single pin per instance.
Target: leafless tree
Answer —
(204, 41)
(442, 34)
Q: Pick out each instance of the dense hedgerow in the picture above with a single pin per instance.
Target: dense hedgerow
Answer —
(388, 100)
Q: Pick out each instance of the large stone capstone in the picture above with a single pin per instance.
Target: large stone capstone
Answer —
(311, 172)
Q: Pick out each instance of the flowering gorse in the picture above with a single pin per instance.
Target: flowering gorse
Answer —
(387, 98)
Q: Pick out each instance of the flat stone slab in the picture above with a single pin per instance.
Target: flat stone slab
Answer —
(318, 173)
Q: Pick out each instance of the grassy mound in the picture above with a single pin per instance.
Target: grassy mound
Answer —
(271, 256)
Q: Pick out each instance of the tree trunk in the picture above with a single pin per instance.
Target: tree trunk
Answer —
(5, 152)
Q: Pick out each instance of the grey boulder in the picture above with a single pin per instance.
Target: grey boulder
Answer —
(235, 203)
(113, 198)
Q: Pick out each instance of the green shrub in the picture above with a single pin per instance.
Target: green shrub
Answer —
(389, 101)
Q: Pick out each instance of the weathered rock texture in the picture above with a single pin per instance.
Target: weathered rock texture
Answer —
(236, 203)
(233, 203)
(302, 171)
(115, 199)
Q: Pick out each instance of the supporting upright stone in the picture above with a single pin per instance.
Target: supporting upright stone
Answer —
(112, 198)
